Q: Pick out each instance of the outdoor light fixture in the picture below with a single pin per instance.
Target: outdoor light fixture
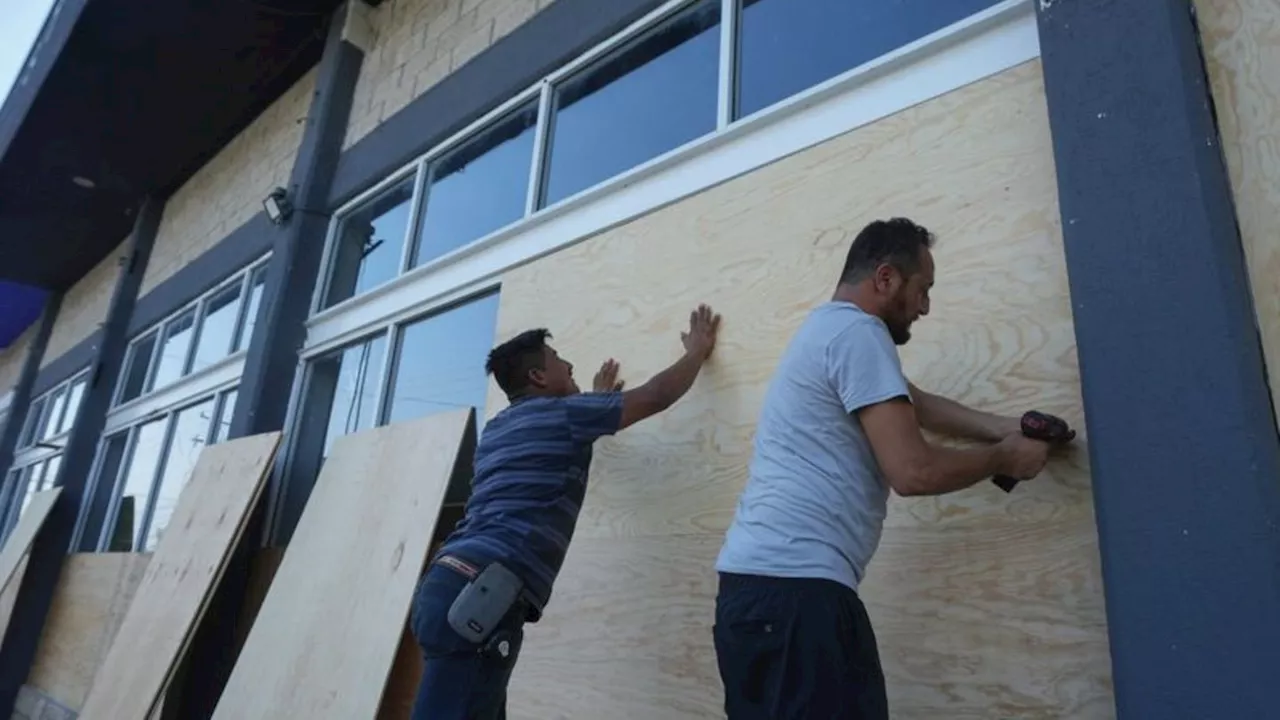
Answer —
(83, 182)
(277, 206)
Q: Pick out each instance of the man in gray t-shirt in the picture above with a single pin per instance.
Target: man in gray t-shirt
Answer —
(840, 428)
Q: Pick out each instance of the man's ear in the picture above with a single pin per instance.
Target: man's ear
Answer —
(538, 378)
(885, 277)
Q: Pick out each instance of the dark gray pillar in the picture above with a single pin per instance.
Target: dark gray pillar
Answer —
(1182, 440)
(21, 400)
(272, 357)
(50, 547)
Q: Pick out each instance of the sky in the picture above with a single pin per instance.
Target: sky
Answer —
(20, 23)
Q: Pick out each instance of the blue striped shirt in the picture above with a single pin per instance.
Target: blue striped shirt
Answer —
(530, 479)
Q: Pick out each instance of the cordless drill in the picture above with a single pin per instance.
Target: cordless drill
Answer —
(1039, 426)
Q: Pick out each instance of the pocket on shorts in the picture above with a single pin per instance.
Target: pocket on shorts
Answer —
(750, 651)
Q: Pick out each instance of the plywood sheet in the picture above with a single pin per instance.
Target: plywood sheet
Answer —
(329, 628)
(985, 604)
(24, 533)
(1241, 40)
(93, 594)
(188, 562)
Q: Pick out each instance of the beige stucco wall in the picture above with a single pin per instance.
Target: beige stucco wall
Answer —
(418, 43)
(229, 189)
(12, 357)
(1241, 41)
(84, 307)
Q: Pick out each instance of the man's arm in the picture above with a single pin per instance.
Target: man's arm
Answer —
(915, 467)
(668, 386)
(948, 417)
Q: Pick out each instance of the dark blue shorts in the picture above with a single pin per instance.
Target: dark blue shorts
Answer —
(796, 648)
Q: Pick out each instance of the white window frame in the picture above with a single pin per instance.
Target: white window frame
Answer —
(190, 382)
(193, 388)
(989, 42)
(35, 423)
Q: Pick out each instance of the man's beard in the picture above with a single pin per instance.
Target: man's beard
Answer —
(900, 332)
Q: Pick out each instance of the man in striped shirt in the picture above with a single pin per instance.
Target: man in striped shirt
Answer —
(531, 470)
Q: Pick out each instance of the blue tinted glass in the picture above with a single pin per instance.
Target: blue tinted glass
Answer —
(478, 188)
(788, 46)
(369, 244)
(440, 361)
(654, 95)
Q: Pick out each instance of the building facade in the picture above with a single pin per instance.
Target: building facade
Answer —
(1103, 182)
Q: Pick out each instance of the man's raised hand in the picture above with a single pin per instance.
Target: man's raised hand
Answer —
(703, 327)
(606, 379)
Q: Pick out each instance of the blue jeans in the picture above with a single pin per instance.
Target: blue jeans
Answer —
(461, 680)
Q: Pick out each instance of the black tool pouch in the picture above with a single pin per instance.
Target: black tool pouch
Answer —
(484, 602)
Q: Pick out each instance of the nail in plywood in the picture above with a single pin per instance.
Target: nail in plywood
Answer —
(325, 638)
(19, 541)
(986, 605)
(188, 563)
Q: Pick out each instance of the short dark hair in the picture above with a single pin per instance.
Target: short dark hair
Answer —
(510, 362)
(897, 241)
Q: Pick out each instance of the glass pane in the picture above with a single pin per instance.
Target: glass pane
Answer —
(190, 435)
(108, 470)
(74, 397)
(251, 311)
(216, 330)
(787, 46)
(51, 467)
(478, 188)
(139, 478)
(135, 369)
(171, 363)
(33, 420)
(225, 411)
(654, 95)
(355, 389)
(57, 403)
(440, 361)
(369, 243)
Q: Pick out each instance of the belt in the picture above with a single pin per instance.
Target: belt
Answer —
(532, 608)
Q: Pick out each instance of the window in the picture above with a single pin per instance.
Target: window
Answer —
(194, 339)
(653, 95)
(787, 46)
(53, 413)
(23, 483)
(143, 469)
(369, 244)
(479, 187)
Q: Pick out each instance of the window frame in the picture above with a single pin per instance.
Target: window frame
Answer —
(244, 277)
(31, 436)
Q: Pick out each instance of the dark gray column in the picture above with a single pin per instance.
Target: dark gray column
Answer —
(1182, 440)
(50, 547)
(22, 391)
(272, 357)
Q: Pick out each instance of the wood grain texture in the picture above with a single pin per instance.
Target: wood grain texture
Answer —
(986, 605)
(93, 594)
(1241, 40)
(188, 562)
(24, 533)
(329, 628)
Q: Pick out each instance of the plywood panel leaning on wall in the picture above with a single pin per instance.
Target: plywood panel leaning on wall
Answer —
(93, 595)
(986, 604)
(327, 634)
(1241, 40)
(208, 521)
(19, 541)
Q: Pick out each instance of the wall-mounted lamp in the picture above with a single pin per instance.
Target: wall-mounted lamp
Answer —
(277, 206)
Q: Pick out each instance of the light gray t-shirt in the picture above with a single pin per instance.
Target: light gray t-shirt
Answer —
(815, 499)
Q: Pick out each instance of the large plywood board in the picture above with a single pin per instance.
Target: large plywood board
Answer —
(1241, 41)
(24, 533)
(93, 594)
(188, 562)
(327, 634)
(986, 605)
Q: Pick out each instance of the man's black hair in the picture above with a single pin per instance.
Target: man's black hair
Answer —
(510, 362)
(897, 242)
